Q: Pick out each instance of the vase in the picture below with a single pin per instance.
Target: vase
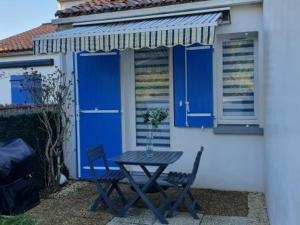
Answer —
(149, 145)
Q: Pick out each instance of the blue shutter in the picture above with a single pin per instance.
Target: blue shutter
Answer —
(193, 86)
(19, 95)
(179, 86)
(199, 86)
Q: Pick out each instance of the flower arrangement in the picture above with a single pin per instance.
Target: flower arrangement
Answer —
(155, 117)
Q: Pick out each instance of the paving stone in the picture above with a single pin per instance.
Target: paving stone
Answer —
(122, 223)
(135, 216)
(257, 209)
(224, 220)
(182, 218)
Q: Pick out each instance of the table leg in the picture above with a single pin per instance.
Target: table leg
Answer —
(162, 191)
(140, 192)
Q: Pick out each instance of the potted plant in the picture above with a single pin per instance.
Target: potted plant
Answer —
(153, 119)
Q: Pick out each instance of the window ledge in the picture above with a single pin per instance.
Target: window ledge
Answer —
(239, 129)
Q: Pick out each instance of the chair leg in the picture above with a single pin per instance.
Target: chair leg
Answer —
(110, 190)
(179, 200)
(120, 193)
(191, 210)
(97, 201)
(103, 197)
(193, 199)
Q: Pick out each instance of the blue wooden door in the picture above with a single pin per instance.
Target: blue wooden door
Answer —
(99, 106)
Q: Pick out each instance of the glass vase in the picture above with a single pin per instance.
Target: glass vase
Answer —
(149, 146)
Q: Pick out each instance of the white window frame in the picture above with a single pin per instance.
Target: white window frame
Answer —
(234, 120)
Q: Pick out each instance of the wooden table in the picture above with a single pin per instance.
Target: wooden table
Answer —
(160, 160)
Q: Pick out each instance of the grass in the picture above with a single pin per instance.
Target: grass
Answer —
(17, 220)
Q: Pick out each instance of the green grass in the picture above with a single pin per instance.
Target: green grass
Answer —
(17, 220)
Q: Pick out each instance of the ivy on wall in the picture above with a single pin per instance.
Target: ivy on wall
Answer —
(26, 126)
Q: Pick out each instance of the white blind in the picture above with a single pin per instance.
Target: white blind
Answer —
(151, 92)
(238, 78)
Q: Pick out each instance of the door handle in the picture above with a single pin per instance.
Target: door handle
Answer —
(187, 105)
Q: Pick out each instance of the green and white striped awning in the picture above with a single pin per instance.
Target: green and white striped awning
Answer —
(168, 32)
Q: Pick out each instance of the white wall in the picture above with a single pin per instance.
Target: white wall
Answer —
(230, 162)
(282, 120)
(70, 153)
(5, 86)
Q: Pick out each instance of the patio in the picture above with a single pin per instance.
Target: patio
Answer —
(71, 206)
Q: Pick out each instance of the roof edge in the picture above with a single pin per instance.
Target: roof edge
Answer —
(154, 11)
(16, 53)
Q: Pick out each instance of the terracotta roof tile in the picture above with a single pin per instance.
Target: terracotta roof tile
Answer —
(100, 6)
(23, 41)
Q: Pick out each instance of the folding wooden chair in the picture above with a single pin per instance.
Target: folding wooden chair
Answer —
(106, 183)
(183, 182)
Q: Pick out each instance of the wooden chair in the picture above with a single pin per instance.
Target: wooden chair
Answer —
(183, 182)
(106, 183)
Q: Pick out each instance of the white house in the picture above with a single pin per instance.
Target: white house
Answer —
(227, 71)
(15, 55)
(213, 89)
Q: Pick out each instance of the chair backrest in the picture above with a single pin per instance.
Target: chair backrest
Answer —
(196, 164)
(96, 153)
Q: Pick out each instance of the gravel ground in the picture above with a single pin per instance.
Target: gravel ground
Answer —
(71, 205)
(221, 203)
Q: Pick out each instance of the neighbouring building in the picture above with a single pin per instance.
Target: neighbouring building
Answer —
(16, 57)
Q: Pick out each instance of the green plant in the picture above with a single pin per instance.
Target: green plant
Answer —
(155, 116)
(17, 220)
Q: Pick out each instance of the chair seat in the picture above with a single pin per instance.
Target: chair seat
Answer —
(177, 178)
(112, 175)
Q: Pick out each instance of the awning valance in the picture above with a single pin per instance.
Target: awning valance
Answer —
(183, 30)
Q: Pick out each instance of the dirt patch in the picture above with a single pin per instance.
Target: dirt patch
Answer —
(213, 202)
(222, 203)
(73, 208)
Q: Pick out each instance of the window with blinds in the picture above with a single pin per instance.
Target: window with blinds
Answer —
(152, 92)
(238, 78)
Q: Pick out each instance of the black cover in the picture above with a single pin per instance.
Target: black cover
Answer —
(20, 196)
(11, 154)
(22, 169)
(19, 189)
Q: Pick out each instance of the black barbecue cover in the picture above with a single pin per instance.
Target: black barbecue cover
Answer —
(11, 154)
(19, 186)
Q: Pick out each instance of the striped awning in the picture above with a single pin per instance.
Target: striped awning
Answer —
(168, 32)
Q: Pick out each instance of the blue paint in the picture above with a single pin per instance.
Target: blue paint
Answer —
(193, 82)
(179, 85)
(19, 94)
(200, 86)
(99, 87)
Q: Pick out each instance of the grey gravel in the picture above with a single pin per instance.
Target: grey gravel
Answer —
(71, 205)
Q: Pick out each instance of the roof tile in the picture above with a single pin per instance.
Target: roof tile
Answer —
(23, 41)
(100, 6)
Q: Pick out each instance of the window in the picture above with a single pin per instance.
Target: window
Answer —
(152, 91)
(238, 97)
